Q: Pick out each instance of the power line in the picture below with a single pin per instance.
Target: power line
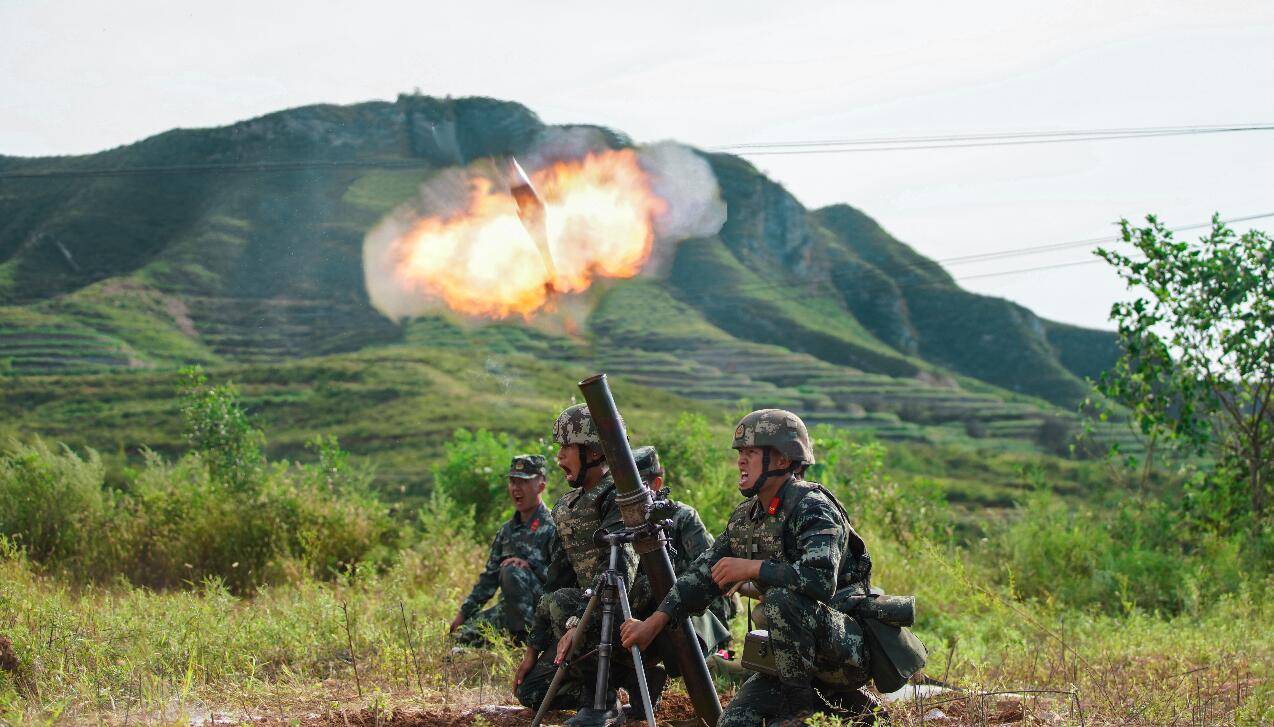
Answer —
(962, 141)
(978, 136)
(1030, 270)
(915, 281)
(219, 168)
(1037, 249)
(816, 146)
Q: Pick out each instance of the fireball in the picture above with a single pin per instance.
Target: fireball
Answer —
(481, 260)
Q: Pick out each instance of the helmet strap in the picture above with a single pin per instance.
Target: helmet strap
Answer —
(584, 466)
(767, 473)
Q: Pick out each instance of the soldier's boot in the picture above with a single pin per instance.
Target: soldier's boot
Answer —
(858, 707)
(635, 711)
(588, 716)
(801, 699)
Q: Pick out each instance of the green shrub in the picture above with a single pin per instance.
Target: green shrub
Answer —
(472, 475)
(178, 524)
(52, 503)
(700, 469)
(217, 427)
(1139, 555)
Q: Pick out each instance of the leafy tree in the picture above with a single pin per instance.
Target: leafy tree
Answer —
(218, 428)
(1197, 367)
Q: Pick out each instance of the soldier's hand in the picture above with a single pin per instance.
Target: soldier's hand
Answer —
(515, 561)
(729, 571)
(564, 645)
(528, 662)
(456, 623)
(640, 633)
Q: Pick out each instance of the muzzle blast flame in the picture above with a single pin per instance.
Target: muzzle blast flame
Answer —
(508, 244)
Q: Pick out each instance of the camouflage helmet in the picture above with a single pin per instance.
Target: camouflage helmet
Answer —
(575, 426)
(648, 463)
(777, 428)
(527, 466)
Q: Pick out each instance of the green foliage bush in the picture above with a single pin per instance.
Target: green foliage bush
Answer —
(473, 473)
(52, 504)
(699, 469)
(219, 511)
(1140, 555)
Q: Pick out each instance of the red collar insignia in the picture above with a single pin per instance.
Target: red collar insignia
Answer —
(773, 509)
(535, 524)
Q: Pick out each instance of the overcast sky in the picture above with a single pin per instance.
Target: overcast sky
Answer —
(80, 77)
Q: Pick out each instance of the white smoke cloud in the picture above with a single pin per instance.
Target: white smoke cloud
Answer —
(686, 183)
(680, 177)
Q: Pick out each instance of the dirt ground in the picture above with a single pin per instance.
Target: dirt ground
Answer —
(674, 708)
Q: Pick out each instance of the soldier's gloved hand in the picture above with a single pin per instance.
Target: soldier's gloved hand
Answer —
(729, 571)
(456, 623)
(640, 633)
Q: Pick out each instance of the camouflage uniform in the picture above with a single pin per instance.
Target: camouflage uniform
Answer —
(520, 588)
(811, 557)
(574, 563)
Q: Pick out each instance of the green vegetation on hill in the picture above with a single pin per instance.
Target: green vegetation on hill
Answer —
(153, 271)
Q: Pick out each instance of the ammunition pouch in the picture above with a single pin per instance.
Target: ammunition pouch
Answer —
(895, 654)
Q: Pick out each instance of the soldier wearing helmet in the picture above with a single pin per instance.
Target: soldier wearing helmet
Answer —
(518, 562)
(792, 542)
(575, 562)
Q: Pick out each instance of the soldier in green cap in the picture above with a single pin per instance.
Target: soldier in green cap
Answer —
(575, 562)
(792, 541)
(518, 563)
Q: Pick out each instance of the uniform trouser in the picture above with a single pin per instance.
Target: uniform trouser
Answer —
(813, 644)
(535, 685)
(811, 640)
(519, 593)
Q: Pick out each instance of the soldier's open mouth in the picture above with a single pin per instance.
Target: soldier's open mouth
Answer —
(743, 477)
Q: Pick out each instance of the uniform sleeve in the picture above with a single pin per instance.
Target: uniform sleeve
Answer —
(488, 580)
(819, 533)
(695, 589)
(543, 552)
(640, 595)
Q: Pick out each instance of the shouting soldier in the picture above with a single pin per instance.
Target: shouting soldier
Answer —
(792, 541)
(519, 561)
(574, 564)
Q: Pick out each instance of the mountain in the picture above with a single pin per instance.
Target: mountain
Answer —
(223, 264)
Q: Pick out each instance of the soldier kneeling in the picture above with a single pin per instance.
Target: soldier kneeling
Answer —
(518, 563)
(792, 540)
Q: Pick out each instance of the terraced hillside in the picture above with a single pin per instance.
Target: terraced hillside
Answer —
(226, 265)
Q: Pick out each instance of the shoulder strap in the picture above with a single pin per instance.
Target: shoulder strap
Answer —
(857, 545)
(606, 495)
